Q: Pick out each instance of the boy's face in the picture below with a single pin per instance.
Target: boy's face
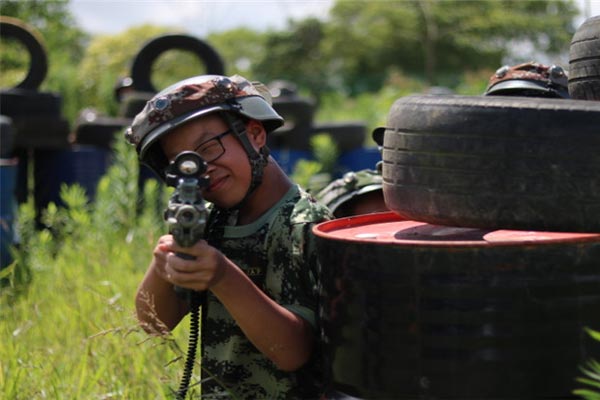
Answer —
(230, 173)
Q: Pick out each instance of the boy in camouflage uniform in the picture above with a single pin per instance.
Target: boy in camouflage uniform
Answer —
(355, 193)
(257, 267)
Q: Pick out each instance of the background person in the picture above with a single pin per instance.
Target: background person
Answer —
(529, 79)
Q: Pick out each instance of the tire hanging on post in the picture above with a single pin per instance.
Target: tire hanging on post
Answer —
(141, 70)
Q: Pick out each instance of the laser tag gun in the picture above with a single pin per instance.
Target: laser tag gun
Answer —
(186, 217)
(186, 213)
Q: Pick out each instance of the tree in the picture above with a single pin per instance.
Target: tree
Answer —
(241, 50)
(55, 23)
(431, 38)
(296, 55)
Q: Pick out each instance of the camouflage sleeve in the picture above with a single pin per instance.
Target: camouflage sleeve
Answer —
(295, 276)
(304, 295)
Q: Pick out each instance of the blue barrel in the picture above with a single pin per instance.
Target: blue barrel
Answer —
(359, 159)
(288, 158)
(83, 165)
(8, 175)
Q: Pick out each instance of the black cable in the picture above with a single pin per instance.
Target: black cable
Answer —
(195, 300)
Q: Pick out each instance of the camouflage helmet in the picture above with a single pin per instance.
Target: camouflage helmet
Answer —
(350, 186)
(529, 79)
(193, 98)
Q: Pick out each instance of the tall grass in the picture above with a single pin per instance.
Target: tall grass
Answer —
(67, 324)
(590, 375)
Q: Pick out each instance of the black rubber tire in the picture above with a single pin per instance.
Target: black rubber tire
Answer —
(133, 103)
(41, 132)
(584, 61)
(141, 70)
(346, 135)
(494, 162)
(38, 67)
(7, 137)
(295, 134)
(24, 102)
(101, 132)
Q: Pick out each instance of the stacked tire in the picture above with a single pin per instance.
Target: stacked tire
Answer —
(584, 61)
(36, 115)
(494, 162)
(292, 141)
(481, 281)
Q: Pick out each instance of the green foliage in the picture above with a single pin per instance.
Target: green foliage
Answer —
(13, 63)
(110, 57)
(117, 194)
(429, 38)
(63, 39)
(372, 108)
(106, 59)
(313, 174)
(295, 55)
(359, 49)
(241, 50)
(70, 332)
(591, 372)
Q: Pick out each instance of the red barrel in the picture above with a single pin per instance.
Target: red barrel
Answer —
(414, 310)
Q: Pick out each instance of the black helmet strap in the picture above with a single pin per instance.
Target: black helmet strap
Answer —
(258, 160)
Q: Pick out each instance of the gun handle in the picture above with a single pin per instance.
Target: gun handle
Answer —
(187, 293)
(185, 256)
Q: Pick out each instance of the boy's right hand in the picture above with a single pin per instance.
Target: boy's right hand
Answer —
(203, 269)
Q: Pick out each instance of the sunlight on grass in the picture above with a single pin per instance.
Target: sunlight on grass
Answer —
(69, 331)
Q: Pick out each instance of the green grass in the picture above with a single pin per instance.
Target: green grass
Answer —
(68, 326)
(590, 375)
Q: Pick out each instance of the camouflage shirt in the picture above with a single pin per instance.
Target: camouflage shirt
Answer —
(277, 253)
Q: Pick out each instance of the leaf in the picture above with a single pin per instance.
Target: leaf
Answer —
(593, 333)
(587, 394)
(8, 270)
(589, 382)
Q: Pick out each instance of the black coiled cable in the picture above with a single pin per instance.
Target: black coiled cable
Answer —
(195, 301)
(198, 299)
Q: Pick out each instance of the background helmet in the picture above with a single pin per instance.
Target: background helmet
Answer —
(122, 85)
(194, 97)
(349, 187)
(529, 79)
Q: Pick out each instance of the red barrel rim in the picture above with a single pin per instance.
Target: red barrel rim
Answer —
(388, 228)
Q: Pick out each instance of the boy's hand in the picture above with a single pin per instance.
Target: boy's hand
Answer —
(200, 273)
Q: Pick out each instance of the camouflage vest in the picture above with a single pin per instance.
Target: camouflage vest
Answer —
(277, 253)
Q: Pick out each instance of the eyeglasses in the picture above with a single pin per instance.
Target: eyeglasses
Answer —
(213, 148)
